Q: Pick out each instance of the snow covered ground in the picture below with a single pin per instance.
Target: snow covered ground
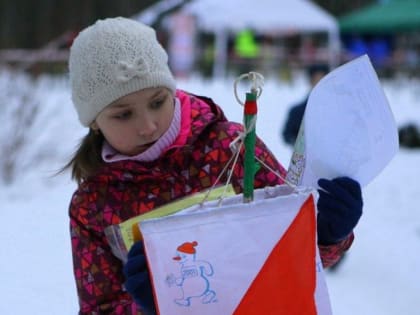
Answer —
(380, 275)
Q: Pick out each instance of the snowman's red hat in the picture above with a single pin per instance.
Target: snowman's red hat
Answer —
(187, 247)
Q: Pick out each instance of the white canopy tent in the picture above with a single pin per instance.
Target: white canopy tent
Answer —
(224, 16)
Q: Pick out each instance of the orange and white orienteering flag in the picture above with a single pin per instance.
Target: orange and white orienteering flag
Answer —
(239, 258)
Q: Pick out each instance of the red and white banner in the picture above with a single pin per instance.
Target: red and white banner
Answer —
(239, 258)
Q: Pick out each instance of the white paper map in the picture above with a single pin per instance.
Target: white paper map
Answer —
(348, 128)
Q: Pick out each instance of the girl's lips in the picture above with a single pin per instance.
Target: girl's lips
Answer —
(144, 147)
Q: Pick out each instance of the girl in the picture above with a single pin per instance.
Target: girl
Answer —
(149, 144)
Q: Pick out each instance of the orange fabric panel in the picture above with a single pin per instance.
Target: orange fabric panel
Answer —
(286, 283)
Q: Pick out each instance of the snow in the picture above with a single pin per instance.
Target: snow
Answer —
(380, 275)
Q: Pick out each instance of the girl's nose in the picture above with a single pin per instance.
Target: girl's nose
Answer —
(146, 127)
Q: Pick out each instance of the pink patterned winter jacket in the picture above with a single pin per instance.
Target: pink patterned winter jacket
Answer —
(124, 189)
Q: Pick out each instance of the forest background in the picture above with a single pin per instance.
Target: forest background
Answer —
(32, 24)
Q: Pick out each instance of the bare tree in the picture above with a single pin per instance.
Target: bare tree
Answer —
(18, 111)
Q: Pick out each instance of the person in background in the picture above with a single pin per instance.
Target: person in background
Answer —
(246, 50)
(148, 144)
(409, 135)
(294, 118)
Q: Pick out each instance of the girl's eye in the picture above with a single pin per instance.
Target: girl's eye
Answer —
(157, 103)
(123, 115)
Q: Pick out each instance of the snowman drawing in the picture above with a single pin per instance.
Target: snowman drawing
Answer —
(193, 281)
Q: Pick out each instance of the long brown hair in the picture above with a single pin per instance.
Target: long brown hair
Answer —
(87, 159)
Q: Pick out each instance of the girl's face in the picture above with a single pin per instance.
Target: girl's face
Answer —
(134, 122)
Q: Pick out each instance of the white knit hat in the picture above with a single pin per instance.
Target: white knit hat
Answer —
(112, 58)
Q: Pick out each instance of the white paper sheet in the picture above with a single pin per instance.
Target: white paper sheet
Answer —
(348, 128)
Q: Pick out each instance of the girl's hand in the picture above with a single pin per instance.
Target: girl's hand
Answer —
(340, 207)
(137, 279)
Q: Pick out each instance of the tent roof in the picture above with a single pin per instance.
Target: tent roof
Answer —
(261, 15)
(391, 16)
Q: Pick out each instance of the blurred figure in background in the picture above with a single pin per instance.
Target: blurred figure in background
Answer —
(246, 50)
(291, 128)
(315, 73)
(409, 136)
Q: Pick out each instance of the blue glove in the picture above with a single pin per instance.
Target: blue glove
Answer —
(137, 279)
(340, 207)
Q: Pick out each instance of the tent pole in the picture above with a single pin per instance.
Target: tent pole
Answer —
(333, 48)
(220, 61)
